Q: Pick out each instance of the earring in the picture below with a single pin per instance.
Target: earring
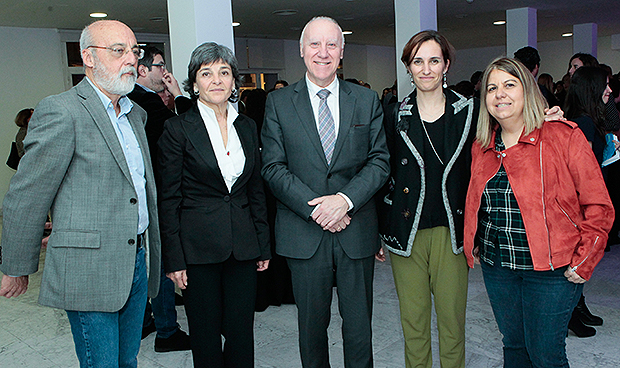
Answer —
(196, 92)
(445, 83)
(411, 79)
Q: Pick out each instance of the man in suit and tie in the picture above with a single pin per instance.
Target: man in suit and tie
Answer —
(324, 157)
(87, 161)
(153, 77)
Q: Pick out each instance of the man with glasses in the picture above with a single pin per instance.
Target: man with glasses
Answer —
(87, 162)
(160, 315)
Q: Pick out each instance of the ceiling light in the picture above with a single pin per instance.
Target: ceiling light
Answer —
(236, 24)
(347, 32)
(499, 22)
(567, 34)
(98, 15)
(284, 12)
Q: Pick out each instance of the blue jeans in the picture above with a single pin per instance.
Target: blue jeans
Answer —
(105, 339)
(162, 308)
(532, 310)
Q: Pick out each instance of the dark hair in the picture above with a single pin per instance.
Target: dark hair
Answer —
(529, 57)
(207, 54)
(412, 47)
(23, 117)
(585, 95)
(475, 78)
(586, 59)
(282, 82)
(465, 88)
(149, 55)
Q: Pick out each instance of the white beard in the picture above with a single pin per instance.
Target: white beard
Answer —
(115, 84)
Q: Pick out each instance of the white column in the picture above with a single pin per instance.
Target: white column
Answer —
(193, 22)
(520, 29)
(585, 38)
(411, 17)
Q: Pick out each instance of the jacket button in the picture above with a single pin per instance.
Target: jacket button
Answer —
(131, 242)
(329, 176)
(133, 201)
(404, 161)
(406, 214)
(226, 198)
(459, 211)
(503, 154)
(406, 190)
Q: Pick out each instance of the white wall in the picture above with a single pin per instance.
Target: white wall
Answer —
(32, 69)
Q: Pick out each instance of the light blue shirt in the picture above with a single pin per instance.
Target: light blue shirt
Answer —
(131, 150)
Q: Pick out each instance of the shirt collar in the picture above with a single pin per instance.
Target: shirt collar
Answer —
(206, 111)
(313, 89)
(145, 88)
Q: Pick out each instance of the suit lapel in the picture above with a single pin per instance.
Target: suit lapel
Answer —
(301, 103)
(199, 137)
(347, 107)
(92, 104)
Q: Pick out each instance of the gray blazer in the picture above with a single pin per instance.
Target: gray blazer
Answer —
(74, 166)
(296, 170)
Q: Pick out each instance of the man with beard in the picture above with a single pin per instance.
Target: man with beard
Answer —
(87, 162)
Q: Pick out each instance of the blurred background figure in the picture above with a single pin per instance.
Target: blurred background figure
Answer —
(17, 147)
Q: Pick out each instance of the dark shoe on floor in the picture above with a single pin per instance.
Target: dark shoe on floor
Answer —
(178, 299)
(148, 329)
(585, 315)
(579, 328)
(179, 341)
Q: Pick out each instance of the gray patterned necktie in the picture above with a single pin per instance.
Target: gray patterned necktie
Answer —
(327, 129)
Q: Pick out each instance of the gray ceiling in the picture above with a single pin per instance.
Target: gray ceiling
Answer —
(372, 21)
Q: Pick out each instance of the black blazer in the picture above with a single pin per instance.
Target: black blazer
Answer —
(202, 222)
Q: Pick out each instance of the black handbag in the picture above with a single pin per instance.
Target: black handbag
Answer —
(13, 159)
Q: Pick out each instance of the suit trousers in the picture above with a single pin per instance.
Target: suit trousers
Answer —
(313, 280)
(432, 268)
(219, 301)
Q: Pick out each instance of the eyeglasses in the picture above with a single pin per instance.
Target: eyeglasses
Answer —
(120, 51)
(161, 65)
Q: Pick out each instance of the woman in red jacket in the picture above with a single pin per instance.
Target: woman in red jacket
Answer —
(536, 216)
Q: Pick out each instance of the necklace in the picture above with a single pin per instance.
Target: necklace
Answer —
(431, 142)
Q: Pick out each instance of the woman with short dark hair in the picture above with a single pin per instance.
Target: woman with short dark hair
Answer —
(213, 215)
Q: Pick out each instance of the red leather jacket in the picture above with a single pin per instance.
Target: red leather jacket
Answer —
(561, 194)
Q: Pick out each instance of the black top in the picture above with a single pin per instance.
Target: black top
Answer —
(434, 211)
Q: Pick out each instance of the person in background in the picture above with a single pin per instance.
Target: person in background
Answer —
(531, 59)
(87, 162)
(280, 84)
(215, 235)
(536, 218)
(153, 77)
(475, 79)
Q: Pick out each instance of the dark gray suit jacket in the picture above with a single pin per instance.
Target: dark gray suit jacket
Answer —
(296, 170)
(74, 166)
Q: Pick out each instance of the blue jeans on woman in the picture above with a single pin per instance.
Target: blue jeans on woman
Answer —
(105, 339)
(532, 310)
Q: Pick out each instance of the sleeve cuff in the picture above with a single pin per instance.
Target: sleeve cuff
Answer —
(346, 199)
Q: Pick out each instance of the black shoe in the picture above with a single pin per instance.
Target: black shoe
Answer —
(179, 341)
(148, 329)
(178, 299)
(584, 314)
(579, 328)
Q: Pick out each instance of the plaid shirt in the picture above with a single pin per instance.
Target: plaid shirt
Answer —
(500, 222)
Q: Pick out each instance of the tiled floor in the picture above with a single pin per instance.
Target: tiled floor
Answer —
(40, 337)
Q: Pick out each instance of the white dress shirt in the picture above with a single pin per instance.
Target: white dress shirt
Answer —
(230, 157)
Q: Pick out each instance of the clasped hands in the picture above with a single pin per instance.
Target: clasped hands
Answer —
(330, 212)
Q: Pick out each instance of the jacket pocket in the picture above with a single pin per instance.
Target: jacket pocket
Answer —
(567, 215)
(75, 239)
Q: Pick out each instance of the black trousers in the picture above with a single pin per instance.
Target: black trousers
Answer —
(219, 301)
(313, 280)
